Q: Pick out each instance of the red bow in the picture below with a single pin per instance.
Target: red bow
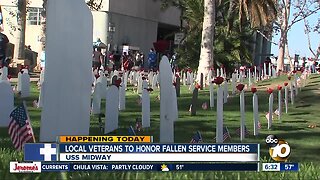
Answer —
(289, 78)
(117, 82)
(218, 80)
(279, 87)
(270, 90)
(174, 83)
(285, 84)
(198, 86)
(240, 87)
(253, 90)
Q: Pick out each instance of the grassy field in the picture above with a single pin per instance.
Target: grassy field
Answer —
(304, 141)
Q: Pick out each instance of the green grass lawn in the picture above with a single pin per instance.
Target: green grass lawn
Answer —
(304, 141)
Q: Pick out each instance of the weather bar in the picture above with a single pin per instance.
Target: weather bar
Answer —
(54, 167)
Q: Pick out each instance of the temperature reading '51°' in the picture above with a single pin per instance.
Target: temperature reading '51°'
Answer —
(179, 166)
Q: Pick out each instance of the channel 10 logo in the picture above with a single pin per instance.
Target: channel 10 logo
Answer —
(279, 149)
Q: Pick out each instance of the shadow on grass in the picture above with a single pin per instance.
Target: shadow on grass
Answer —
(299, 113)
(311, 85)
(313, 77)
(264, 84)
(296, 121)
(315, 82)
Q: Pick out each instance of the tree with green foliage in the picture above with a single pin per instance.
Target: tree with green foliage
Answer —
(258, 13)
(231, 44)
(302, 9)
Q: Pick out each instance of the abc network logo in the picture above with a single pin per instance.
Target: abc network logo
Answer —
(279, 149)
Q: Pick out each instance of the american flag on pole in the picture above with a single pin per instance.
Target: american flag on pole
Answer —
(20, 129)
(246, 131)
(197, 138)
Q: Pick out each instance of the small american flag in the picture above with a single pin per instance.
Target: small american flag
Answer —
(259, 125)
(139, 101)
(267, 116)
(205, 106)
(138, 124)
(226, 134)
(197, 138)
(246, 131)
(20, 129)
(131, 131)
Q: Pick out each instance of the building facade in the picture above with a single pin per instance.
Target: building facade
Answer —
(136, 23)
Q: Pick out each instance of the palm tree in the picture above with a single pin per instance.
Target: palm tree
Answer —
(231, 44)
(208, 25)
(259, 12)
(21, 26)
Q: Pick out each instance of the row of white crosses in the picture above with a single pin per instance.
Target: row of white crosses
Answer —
(240, 87)
(293, 92)
(168, 101)
(136, 79)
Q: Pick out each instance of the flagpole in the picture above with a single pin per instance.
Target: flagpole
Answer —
(28, 119)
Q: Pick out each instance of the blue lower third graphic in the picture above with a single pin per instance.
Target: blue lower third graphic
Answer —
(40, 152)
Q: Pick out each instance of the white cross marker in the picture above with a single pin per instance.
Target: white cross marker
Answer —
(47, 151)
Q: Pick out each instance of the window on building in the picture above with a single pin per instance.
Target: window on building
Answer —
(34, 15)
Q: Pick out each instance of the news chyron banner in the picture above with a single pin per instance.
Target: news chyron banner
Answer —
(105, 139)
(69, 152)
(136, 153)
